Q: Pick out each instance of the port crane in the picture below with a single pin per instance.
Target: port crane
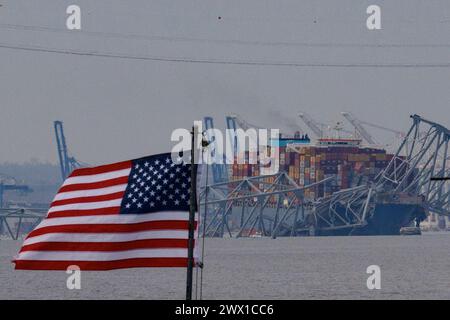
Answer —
(8, 183)
(399, 134)
(218, 166)
(236, 121)
(244, 124)
(67, 163)
(318, 128)
(357, 124)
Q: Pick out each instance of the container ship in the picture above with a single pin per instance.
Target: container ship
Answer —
(350, 164)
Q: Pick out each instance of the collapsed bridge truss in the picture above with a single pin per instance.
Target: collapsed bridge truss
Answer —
(17, 221)
(255, 206)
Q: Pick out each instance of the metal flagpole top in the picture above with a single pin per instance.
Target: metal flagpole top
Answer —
(192, 206)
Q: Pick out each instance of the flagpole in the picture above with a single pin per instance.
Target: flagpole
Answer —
(192, 206)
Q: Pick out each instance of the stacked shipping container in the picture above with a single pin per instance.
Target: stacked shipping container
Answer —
(308, 164)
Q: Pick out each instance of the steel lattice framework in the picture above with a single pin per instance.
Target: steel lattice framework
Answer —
(410, 177)
(414, 176)
(424, 167)
(13, 220)
(268, 205)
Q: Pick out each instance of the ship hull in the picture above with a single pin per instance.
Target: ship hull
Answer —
(392, 212)
(388, 219)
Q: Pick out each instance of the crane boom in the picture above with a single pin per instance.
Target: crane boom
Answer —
(399, 133)
(312, 124)
(243, 123)
(61, 148)
(66, 162)
(358, 127)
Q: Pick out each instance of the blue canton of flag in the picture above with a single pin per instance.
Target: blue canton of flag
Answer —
(155, 184)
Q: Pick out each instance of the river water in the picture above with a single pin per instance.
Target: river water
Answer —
(412, 267)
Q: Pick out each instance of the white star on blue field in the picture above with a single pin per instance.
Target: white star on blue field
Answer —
(156, 183)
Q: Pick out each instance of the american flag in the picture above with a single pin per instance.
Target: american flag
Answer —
(128, 214)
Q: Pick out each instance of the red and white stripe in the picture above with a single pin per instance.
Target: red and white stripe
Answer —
(84, 228)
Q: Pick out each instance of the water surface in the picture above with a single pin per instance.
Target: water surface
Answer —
(412, 267)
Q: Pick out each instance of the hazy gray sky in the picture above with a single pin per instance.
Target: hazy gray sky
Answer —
(115, 109)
